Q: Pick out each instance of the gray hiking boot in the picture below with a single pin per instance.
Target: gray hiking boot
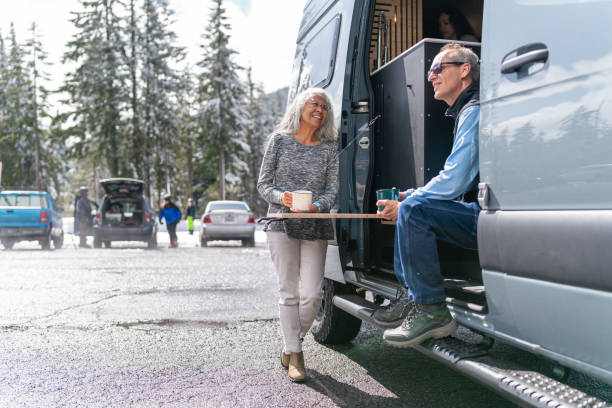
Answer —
(423, 322)
(395, 313)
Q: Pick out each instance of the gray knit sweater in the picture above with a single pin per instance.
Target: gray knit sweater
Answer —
(289, 165)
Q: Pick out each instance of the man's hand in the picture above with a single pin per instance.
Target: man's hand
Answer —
(390, 210)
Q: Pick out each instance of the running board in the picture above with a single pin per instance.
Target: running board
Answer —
(526, 388)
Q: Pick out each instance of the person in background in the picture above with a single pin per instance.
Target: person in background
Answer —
(83, 217)
(190, 213)
(173, 215)
(300, 155)
(452, 25)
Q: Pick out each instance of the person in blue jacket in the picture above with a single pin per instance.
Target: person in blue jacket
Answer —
(173, 215)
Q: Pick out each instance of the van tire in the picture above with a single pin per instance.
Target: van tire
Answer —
(97, 242)
(333, 325)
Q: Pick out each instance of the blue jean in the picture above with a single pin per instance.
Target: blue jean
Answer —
(422, 221)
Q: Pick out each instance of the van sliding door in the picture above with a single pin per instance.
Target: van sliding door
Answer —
(546, 152)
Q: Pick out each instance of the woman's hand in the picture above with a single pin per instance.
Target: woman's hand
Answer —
(311, 209)
(287, 199)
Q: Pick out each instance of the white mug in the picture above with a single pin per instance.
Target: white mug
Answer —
(302, 200)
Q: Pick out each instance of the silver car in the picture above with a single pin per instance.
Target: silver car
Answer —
(227, 220)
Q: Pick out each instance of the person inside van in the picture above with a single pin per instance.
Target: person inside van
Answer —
(452, 25)
(434, 212)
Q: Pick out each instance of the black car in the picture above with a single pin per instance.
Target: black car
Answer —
(124, 214)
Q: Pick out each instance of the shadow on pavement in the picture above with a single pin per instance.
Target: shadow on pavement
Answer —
(347, 396)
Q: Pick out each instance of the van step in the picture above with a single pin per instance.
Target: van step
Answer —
(465, 294)
(527, 388)
(358, 307)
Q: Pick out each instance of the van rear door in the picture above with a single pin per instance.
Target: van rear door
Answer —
(546, 148)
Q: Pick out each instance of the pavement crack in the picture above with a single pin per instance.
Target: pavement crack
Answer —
(66, 309)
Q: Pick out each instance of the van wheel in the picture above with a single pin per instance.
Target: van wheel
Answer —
(203, 242)
(8, 243)
(107, 244)
(59, 241)
(333, 325)
(97, 242)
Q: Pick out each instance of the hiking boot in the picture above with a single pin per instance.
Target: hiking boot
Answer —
(297, 371)
(285, 358)
(394, 314)
(422, 323)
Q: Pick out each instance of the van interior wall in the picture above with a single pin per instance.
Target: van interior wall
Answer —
(406, 22)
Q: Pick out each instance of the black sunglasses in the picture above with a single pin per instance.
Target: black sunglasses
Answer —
(439, 66)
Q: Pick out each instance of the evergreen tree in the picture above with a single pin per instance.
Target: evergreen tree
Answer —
(257, 126)
(96, 88)
(220, 96)
(4, 145)
(160, 84)
(18, 158)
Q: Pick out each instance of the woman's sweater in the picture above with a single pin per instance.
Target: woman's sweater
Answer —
(289, 165)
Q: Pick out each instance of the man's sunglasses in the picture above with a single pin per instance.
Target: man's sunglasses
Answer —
(316, 105)
(439, 66)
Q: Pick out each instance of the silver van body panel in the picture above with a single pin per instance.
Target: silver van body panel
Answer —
(546, 136)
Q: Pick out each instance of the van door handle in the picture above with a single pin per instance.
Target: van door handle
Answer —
(525, 57)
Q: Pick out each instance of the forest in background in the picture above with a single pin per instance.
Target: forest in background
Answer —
(128, 111)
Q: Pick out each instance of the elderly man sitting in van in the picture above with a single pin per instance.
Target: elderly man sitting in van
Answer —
(442, 209)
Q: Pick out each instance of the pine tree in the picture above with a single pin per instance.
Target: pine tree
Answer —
(160, 83)
(18, 158)
(4, 144)
(220, 96)
(257, 128)
(97, 86)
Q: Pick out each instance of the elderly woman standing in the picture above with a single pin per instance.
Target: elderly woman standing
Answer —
(301, 154)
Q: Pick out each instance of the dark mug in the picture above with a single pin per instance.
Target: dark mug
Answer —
(387, 194)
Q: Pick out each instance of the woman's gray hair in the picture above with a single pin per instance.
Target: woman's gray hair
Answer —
(291, 121)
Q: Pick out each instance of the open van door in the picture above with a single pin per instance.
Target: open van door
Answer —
(545, 146)
(330, 48)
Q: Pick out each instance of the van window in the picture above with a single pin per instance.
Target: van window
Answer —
(319, 56)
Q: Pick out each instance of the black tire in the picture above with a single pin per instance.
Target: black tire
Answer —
(59, 241)
(250, 242)
(152, 242)
(45, 243)
(107, 244)
(8, 243)
(97, 243)
(203, 242)
(333, 325)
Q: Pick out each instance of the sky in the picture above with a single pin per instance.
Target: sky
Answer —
(263, 32)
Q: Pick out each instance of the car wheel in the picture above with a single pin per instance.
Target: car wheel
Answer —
(107, 244)
(203, 242)
(97, 243)
(59, 241)
(251, 242)
(8, 243)
(152, 242)
(333, 325)
(45, 243)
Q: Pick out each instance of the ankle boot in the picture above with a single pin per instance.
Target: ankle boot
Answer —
(297, 371)
(285, 358)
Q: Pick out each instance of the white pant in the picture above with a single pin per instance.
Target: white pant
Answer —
(300, 265)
